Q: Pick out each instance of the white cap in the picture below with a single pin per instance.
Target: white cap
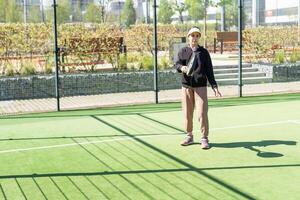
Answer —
(194, 30)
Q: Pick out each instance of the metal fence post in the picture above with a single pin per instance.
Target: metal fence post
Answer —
(56, 56)
(240, 39)
(155, 51)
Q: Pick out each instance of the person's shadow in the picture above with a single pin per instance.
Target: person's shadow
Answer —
(251, 145)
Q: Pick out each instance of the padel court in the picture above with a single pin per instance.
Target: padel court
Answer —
(134, 152)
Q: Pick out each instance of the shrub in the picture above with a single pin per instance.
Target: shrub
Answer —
(28, 69)
(133, 57)
(9, 71)
(2, 68)
(49, 65)
(164, 63)
(122, 65)
(279, 57)
(48, 69)
(146, 63)
(295, 56)
(132, 66)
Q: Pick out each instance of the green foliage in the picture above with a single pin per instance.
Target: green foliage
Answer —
(77, 15)
(63, 11)
(179, 8)
(102, 8)
(279, 57)
(137, 61)
(128, 13)
(36, 39)
(49, 64)
(2, 11)
(93, 14)
(146, 62)
(48, 69)
(295, 56)
(165, 12)
(164, 63)
(231, 14)
(122, 65)
(12, 12)
(133, 57)
(132, 66)
(21, 39)
(134, 60)
(34, 14)
(113, 18)
(28, 68)
(224, 2)
(261, 42)
(9, 70)
(195, 8)
(140, 37)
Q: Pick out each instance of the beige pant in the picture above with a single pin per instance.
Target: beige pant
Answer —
(191, 98)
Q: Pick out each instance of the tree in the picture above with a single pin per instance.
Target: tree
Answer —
(222, 4)
(12, 13)
(34, 14)
(179, 8)
(103, 7)
(77, 14)
(196, 9)
(229, 14)
(2, 10)
(93, 14)
(128, 13)
(63, 11)
(165, 12)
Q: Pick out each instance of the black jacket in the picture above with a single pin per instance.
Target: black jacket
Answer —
(203, 70)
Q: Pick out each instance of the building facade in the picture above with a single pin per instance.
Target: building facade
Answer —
(271, 12)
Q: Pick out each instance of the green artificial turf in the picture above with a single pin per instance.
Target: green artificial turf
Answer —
(134, 153)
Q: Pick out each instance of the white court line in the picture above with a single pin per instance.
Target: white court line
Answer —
(294, 121)
(132, 138)
(253, 125)
(71, 144)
